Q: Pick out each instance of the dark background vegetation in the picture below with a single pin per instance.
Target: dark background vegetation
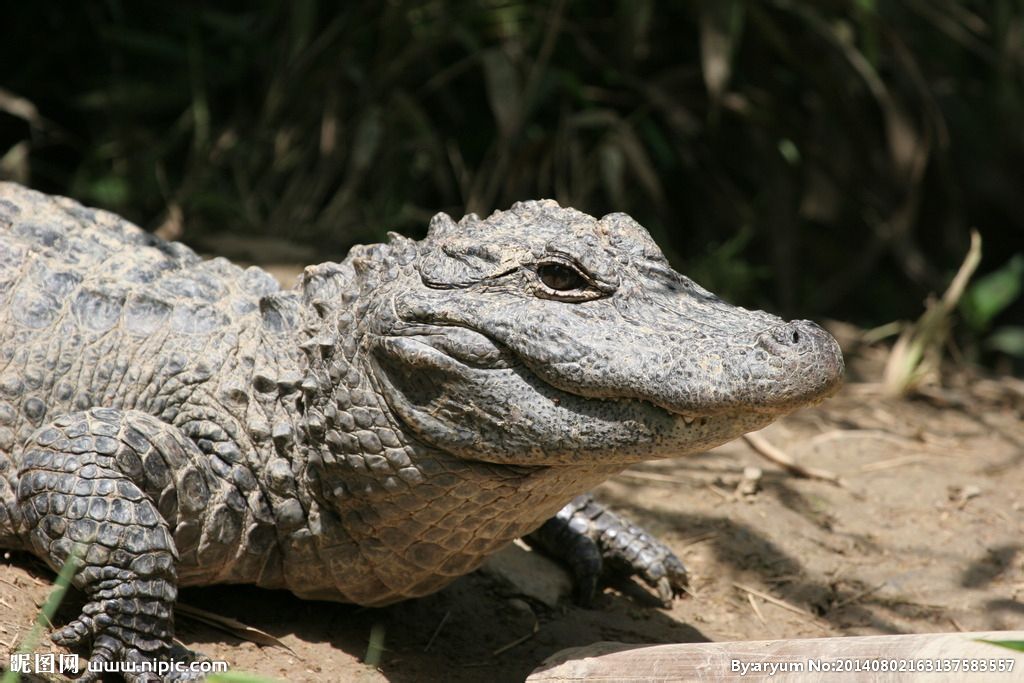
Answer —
(818, 158)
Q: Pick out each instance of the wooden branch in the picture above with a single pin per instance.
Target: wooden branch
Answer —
(716, 661)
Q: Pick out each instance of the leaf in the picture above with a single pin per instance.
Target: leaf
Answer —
(238, 677)
(45, 617)
(721, 22)
(613, 171)
(302, 24)
(1017, 645)
(109, 191)
(367, 139)
(19, 107)
(133, 97)
(14, 163)
(594, 118)
(504, 91)
(639, 162)
(162, 46)
(991, 294)
(1009, 339)
(789, 151)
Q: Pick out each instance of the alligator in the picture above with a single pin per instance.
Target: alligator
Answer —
(369, 435)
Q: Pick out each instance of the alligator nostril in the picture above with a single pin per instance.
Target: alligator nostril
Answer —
(791, 337)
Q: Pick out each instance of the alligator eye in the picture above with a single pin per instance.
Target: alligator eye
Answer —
(560, 277)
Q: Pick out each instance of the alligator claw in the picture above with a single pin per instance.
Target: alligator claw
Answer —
(598, 544)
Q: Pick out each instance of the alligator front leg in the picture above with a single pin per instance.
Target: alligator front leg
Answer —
(86, 490)
(595, 542)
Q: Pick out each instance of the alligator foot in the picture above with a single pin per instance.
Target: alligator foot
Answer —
(80, 493)
(596, 543)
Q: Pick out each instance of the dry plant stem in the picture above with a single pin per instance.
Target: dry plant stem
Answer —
(757, 610)
(898, 461)
(659, 478)
(774, 600)
(437, 631)
(859, 596)
(917, 353)
(517, 641)
(779, 457)
(897, 440)
(232, 626)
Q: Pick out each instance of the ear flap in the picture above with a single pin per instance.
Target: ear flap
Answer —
(462, 262)
(456, 255)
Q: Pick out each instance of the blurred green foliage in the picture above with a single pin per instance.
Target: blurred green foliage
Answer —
(989, 295)
(987, 298)
(814, 157)
(1017, 645)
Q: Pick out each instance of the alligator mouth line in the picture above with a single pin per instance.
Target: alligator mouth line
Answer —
(503, 359)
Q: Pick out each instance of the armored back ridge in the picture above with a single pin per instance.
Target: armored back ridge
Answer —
(368, 436)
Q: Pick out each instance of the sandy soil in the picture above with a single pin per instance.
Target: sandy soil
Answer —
(924, 536)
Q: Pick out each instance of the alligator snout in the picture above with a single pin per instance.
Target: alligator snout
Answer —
(804, 363)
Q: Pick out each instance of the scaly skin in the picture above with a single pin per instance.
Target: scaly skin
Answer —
(373, 433)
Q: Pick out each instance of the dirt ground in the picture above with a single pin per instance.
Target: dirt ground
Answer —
(924, 535)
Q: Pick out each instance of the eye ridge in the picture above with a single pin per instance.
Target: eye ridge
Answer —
(561, 277)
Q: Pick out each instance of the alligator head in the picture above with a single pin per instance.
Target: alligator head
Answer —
(543, 336)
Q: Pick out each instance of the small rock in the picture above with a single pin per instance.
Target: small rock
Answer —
(751, 482)
(960, 495)
(530, 573)
(520, 606)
